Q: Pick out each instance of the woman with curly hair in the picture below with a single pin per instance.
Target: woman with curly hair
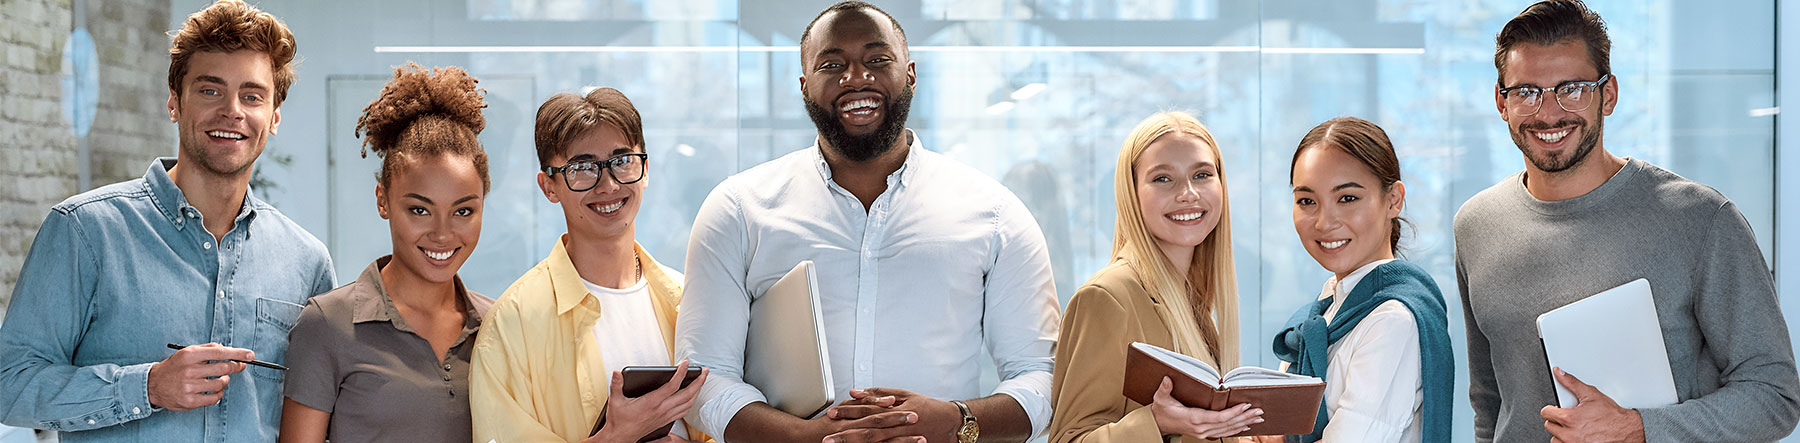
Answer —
(386, 358)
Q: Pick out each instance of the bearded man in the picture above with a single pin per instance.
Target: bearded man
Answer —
(921, 263)
(1579, 220)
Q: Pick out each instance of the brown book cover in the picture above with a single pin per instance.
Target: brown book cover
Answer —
(1287, 409)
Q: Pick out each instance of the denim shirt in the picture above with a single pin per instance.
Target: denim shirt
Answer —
(117, 273)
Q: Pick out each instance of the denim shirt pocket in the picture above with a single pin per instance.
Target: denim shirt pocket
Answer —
(274, 318)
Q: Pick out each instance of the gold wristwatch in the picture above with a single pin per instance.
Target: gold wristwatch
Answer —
(969, 430)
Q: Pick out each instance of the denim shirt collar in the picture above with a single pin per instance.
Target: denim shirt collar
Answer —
(173, 204)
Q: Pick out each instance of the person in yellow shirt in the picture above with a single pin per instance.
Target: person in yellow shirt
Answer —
(1170, 284)
(548, 357)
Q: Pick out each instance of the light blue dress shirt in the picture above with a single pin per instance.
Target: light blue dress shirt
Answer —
(945, 263)
(117, 273)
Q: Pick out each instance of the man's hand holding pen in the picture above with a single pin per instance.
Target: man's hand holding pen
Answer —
(195, 376)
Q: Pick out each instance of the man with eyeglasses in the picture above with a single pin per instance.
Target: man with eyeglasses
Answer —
(547, 360)
(1579, 220)
(922, 263)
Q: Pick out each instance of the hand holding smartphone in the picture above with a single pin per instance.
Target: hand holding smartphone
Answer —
(642, 380)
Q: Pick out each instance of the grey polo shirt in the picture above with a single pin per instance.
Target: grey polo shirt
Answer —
(351, 354)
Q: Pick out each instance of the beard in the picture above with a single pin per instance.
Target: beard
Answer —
(1551, 163)
(860, 148)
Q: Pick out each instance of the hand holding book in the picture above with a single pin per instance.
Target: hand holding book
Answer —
(1290, 402)
(1174, 418)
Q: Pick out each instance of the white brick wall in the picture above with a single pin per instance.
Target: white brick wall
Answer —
(38, 158)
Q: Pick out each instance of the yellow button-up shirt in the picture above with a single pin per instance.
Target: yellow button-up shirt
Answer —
(537, 374)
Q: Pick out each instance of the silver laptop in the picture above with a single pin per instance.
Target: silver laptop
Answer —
(1613, 341)
(784, 350)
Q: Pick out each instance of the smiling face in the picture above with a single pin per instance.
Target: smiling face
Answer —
(1343, 217)
(1178, 193)
(609, 210)
(225, 111)
(433, 206)
(857, 82)
(1554, 140)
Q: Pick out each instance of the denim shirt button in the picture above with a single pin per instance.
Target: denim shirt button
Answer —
(136, 410)
(207, 245)
(91, 421)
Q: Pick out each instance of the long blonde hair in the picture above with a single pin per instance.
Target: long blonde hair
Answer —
(1208, 293)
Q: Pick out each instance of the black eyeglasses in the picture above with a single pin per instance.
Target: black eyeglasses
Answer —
(583, 175)
(1524, 100)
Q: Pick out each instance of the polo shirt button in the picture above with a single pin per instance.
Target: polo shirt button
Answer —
(446, 367)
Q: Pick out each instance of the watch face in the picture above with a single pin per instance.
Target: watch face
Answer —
(968, 433)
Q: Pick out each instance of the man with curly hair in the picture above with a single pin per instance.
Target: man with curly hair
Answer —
(184, 256)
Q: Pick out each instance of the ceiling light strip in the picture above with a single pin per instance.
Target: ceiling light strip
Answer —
(948, 49)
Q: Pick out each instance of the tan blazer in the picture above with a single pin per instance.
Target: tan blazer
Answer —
(1113, 309)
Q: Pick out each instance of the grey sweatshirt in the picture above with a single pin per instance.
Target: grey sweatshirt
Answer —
(1517, 257)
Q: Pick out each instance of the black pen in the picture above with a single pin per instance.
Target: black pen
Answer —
(248, 362)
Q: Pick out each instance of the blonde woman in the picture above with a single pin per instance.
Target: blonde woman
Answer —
(1170, 284)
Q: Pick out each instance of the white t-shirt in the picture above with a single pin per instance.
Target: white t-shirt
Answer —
(627, 331)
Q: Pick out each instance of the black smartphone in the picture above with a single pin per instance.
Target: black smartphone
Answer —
(640, 380)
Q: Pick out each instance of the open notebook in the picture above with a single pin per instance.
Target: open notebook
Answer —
(1289, 402)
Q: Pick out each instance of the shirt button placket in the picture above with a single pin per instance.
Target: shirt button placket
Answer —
(868, 284)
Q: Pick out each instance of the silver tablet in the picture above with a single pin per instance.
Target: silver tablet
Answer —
(784, 351)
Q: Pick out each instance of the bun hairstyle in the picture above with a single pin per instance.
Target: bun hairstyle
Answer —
(423, 113)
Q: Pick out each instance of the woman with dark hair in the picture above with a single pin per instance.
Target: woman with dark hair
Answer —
(1378, 333)
(386, 358)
